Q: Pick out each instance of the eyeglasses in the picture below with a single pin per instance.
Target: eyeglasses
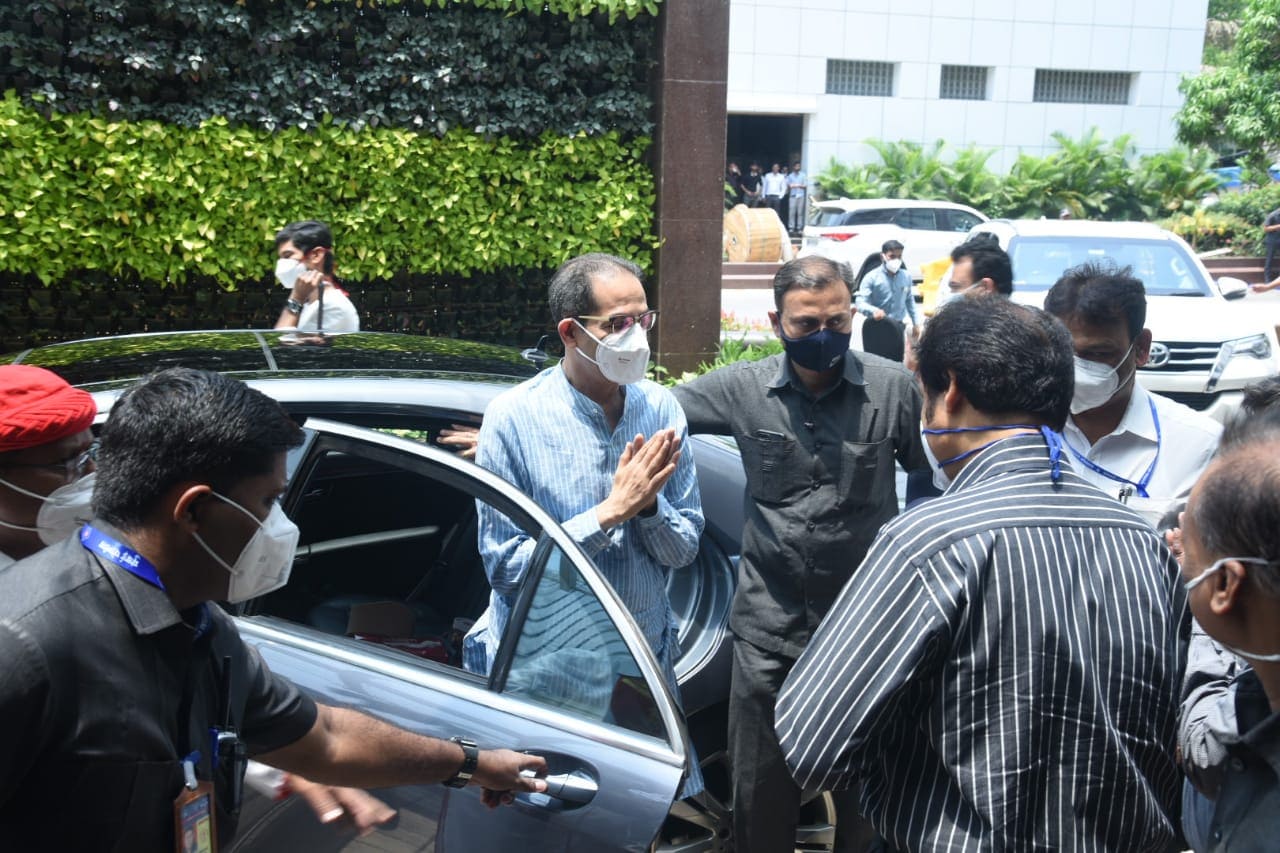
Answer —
(71, 468)
(621, 322)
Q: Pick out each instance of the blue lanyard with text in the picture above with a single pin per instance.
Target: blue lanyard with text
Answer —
(1141, 485)
(97, 542)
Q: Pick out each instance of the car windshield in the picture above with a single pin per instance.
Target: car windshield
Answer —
(1165, 268)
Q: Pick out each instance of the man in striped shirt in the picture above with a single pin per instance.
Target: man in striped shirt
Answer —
(1002, 671)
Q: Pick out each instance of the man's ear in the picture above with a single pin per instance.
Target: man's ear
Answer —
(567, 329)
(988, 286)
(776, 323)
(1224, 595)
(1142, 347)
(182, 500)
(953, 398)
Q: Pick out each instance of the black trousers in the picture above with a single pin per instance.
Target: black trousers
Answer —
(766, 800)
(884, 338)
(1271, 256)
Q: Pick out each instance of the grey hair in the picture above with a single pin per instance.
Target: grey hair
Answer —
(569, 293)
(1237, 506)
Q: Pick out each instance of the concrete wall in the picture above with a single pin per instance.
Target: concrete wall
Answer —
(778, 52)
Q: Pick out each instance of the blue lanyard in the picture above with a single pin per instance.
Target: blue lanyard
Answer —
(1141, 485)
(99, 543)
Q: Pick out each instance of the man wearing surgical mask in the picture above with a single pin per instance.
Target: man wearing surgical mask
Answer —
(884, 297)
(979, 267)
(46, 451)
(602, 449)
(120, 668)
(1144, 449)
(304, 267)
(819, 428)
(1231, 566)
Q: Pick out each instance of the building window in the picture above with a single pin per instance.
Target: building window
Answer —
(963, 83)
(1081, 87)
(852, 77)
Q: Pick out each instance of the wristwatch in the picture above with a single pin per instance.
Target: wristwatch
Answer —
(470, 758)
(294, 306)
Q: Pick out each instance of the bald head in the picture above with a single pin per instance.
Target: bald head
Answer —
(1235, 506)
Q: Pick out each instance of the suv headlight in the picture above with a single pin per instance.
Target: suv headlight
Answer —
(1257, 346)
(1254, 346)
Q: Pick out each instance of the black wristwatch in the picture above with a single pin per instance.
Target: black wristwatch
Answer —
(470, 758)
(294, 306)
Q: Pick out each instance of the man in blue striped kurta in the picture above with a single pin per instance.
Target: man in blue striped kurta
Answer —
(1003, 670)
(600, 448)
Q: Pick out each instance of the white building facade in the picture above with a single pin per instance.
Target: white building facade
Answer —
(819, 77)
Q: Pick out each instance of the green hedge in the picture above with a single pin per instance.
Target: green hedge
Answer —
(165, 203)
(508, 69)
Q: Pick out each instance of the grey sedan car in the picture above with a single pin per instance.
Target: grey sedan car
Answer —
(388, 576)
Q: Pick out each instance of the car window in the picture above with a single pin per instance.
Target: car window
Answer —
(875, 216)
(960, 221)
(825, 217)
(917, 218)
(386, 554)
(1164, 267)
(568, 653)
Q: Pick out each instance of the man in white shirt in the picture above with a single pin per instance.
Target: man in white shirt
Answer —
(317, 302)
(1140, 447)
(775, 187)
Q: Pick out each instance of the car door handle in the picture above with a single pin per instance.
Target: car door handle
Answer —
(574, 787)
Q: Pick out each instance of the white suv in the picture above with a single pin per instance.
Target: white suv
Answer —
(850, 229)
(1203, 351)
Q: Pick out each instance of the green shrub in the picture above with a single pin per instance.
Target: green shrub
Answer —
(1250, 205)
(509, 68)
(1212, 229)
(166, 203)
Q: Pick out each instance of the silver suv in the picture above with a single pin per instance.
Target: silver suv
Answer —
(1204, 349)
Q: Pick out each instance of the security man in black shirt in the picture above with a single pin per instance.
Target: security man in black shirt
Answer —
(126, 696)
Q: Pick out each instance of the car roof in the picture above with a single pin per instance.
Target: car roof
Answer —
(1073, 228)
(103, 363)
(848, 204)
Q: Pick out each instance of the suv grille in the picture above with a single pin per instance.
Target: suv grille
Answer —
(1198, 401)
(1184, 357)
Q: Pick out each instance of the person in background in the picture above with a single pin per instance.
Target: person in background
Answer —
(100, 631)
(1231, 566)
(979, 267)
(732, 184)
(797, 199)
(774, 183)
(819, 428)
(751, 186)
(1271, 233)
(884, 297)
(1145, 449)
(317, 302)
(1002, 671)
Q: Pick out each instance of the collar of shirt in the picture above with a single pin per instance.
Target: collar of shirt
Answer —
(591, 411)
(148, 607)
(1136, 421)
(1017, 453)
(851, 373)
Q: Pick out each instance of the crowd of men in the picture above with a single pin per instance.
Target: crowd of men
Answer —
(1010, 664)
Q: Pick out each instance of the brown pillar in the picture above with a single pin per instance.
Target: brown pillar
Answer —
(689, 159)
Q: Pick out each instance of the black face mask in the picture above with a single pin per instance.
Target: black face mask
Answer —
(819, 351)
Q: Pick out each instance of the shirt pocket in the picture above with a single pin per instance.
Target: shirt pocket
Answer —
(773, 475)
(866, 472)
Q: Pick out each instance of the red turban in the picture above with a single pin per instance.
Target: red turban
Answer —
(38, 407)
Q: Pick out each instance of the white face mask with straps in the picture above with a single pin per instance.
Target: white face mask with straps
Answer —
(1096, 383)
(621, 357)
(265, 561)
(62, 511)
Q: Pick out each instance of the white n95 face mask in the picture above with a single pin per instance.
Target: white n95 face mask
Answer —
(287, 272)
(893, 265)
(622, 357)
(1096, 383)
(265, 561)
(62, 511)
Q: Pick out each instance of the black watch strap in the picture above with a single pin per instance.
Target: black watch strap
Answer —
(471, 757)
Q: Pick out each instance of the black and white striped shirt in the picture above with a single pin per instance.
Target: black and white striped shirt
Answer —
(1003, 671)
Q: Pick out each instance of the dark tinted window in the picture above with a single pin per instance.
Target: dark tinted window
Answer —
(959, 220)
(876, 216)
(917, 218)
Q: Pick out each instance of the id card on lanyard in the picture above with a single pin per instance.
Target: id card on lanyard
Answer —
(1127, 487)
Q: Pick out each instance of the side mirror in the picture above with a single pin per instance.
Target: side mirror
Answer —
(1232, 288)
